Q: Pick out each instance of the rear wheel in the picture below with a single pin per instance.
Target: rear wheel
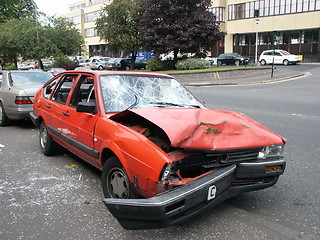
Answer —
(47, 144)
(285, 62)
(127, 68)
(263, 62)
(237, 62)
(100, 67)
(115, 181)
(4, 120)
(219, 63)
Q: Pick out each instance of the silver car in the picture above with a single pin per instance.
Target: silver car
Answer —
(17, 90)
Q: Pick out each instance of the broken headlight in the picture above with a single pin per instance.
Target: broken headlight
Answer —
(271, 151)
(166, 172)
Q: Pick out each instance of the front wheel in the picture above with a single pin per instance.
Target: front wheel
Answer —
(115, 181)
(237, 62)
(285, 62)
(100, 67)
(219, 63)
(127, 68)
(4, 120)
(47, 144)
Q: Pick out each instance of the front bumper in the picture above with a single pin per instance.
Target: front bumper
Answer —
(183, 203)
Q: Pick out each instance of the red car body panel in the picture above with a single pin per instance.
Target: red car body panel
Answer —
(146, 140)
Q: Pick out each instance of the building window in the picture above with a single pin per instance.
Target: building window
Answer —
(218, 12)
(91, 32)
(262, 8)
(93, 2)
(75, 19)
(92, 16)
(77, 7)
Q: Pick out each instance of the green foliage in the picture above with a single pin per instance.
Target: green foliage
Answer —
(157, 64)
(118, 25)
(16, 9)
(192, 63)
(33, 40)
(8, 67)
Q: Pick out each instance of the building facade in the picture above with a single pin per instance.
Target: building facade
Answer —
(251, 26)
(292, 25)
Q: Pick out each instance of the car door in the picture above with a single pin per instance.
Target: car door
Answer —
(278, 58)
(55, 107)
(79, 126)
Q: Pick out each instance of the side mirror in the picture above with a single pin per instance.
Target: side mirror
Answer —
(86, 107)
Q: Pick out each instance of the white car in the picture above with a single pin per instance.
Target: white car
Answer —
(279, 57)
(99, 63)
(25, 67)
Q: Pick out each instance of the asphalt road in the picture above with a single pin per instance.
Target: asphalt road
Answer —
(60, 197)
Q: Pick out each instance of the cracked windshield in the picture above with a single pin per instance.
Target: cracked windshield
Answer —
(125, 92)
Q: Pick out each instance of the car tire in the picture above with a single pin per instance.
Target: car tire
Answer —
(219, 63)
(263, 62)
(4, 120)
(127, 68)
(237, 62)
(47, 144)
(285, 62)
(115, 181)
(100, 68)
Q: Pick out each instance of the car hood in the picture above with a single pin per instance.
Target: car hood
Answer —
(206, 128)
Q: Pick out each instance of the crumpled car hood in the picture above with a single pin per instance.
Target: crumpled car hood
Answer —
(209, 129)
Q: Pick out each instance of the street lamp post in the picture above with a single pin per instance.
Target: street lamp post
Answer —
(256, 52)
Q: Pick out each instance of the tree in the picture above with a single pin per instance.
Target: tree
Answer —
(179, 25)
(16, 9)
(33, 40)
(118, 25)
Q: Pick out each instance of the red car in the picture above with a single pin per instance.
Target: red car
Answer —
(164, 155)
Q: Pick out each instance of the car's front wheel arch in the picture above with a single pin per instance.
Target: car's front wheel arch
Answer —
(4, 120)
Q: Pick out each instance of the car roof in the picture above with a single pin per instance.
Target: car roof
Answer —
(100, 73)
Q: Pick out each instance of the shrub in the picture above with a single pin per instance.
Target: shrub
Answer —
(64, 62)
(8, 67)
(192, 63)
(156, 64)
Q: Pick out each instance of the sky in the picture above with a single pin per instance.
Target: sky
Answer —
(52, 7)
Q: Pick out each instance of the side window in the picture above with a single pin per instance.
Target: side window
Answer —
(49, 88)
(62, 91)
(0, 79)
(84, 91)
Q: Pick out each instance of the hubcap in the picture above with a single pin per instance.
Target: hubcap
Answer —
(1, 114)
(118, 184)
(43, 137)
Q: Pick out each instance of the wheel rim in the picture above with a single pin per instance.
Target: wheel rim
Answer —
(285, 62)
(1, 114)
(43, 137)
(118, 183)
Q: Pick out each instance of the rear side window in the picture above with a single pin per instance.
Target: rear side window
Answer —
(62, 91)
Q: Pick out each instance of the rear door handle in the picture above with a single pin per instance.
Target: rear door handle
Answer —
(66, 114)
(48, 106)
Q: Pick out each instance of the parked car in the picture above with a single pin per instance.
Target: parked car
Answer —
(25, 67)
(56, 71)
(232, 58)
(164, 155)
(83, 68)
(17, 90)
(278, 56)
(84, 63)
(47, 64)
(98, 63)
(124, 64)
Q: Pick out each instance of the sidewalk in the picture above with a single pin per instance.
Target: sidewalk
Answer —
(241, 76)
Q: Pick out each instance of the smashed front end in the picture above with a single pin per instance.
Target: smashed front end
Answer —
(208, 162)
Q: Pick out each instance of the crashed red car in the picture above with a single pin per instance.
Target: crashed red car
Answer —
(164, 155)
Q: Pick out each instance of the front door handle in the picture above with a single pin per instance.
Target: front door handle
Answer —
(48, 106)
(66, 114)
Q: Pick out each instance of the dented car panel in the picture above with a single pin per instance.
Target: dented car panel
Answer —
(164, 156)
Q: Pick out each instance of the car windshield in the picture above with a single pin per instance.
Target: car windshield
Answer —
(29, 78)
(121, 92)
(285, 52)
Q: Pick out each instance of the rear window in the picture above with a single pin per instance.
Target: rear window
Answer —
(29, 78)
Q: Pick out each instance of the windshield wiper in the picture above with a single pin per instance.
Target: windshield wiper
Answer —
(135, 102)
(174, 104)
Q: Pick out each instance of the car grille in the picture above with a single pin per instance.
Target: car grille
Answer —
(197, 164)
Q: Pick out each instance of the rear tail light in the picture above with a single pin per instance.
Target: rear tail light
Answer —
(23, 100)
